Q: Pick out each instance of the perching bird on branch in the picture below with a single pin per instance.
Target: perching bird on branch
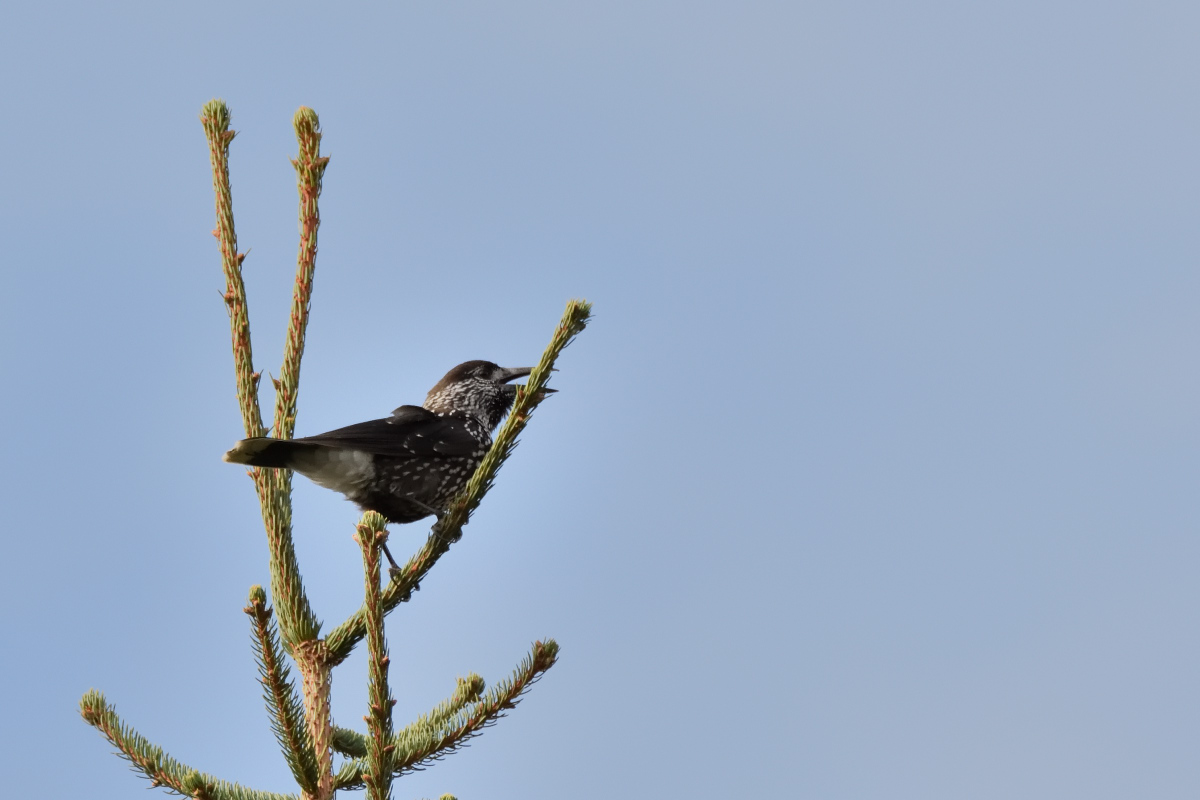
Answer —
(411, 464)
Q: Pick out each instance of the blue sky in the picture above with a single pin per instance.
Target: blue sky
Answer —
(875, 476)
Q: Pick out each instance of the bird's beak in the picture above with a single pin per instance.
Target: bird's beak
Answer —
(511, 373)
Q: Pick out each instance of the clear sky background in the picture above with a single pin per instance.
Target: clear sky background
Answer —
(875, 476)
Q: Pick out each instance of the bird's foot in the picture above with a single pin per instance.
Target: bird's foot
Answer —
(440, 513)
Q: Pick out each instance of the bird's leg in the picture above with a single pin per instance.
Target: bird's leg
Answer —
(437, 512)
(394, 571)
(440, 513)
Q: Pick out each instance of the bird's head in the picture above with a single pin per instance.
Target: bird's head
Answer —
(478, 389)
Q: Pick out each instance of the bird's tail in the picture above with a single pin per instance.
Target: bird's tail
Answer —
(264, 452)
(342, 470)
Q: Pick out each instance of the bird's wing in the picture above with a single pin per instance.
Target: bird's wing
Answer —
(411, 432)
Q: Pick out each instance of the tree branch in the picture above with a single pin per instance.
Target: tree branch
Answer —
(153, 763)
(467, 691)
(378, 774)
(342, 639)
(417, 749)
(216, 117)
(310, 170)
(287, 712)
(296, 619)
(353, 744)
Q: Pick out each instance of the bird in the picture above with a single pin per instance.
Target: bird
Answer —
(407, 466)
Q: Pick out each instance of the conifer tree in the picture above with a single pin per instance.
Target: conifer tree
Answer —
(289, 631)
